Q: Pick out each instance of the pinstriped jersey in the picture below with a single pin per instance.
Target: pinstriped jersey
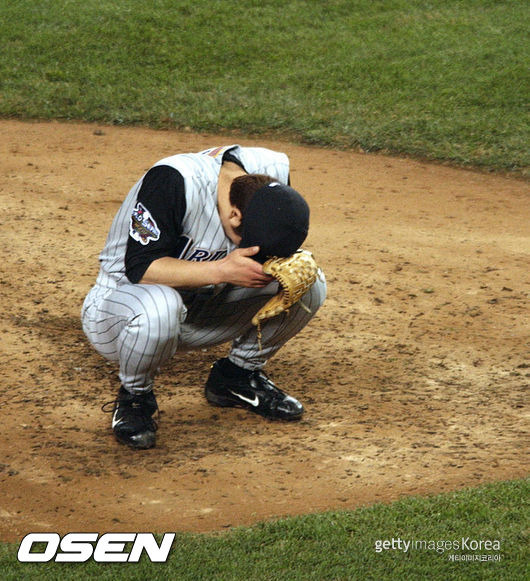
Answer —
(202, 236)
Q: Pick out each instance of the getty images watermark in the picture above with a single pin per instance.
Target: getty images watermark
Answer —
(462, 545)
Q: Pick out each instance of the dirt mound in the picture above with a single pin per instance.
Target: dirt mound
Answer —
(413, 374)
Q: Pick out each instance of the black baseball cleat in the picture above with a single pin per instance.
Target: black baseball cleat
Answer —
(132, 421)
(251, 390)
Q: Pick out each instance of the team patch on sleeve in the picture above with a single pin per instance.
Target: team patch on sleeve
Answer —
(143, 227)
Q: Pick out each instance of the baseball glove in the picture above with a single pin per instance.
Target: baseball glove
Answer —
(296, 274)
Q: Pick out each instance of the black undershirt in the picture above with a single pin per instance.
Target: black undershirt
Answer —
(163, 194)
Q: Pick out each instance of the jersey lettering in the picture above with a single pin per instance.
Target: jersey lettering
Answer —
(201, 255)
(216, 151)
(218, 254)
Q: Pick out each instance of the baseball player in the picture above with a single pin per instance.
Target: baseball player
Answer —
(182, 268)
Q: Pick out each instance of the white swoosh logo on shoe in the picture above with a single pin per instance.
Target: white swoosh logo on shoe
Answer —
(116, 422)
(254, 402)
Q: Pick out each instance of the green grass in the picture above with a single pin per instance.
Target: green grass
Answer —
(339, 546)
(445, 79)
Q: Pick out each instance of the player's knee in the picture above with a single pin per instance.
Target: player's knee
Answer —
(317, 293)
(161, 312)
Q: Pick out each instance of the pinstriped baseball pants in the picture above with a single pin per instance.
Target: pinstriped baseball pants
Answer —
(142, 326)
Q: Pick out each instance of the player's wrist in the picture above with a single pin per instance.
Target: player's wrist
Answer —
(217, 272)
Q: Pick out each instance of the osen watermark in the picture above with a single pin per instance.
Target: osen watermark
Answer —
(105, 548)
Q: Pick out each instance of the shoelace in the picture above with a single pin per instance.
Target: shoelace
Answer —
(268, 384)
(109, 406)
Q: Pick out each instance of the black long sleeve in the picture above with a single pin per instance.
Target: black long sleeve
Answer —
(161, 205)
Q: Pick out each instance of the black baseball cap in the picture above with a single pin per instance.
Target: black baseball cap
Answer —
(277, 220)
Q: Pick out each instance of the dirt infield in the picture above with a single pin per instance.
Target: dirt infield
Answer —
(413, 374)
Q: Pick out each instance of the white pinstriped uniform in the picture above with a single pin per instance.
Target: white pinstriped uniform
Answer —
(142, 326)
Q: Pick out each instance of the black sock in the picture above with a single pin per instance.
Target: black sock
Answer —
(231, 369)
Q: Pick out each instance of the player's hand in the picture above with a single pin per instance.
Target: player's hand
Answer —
(238, 268)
